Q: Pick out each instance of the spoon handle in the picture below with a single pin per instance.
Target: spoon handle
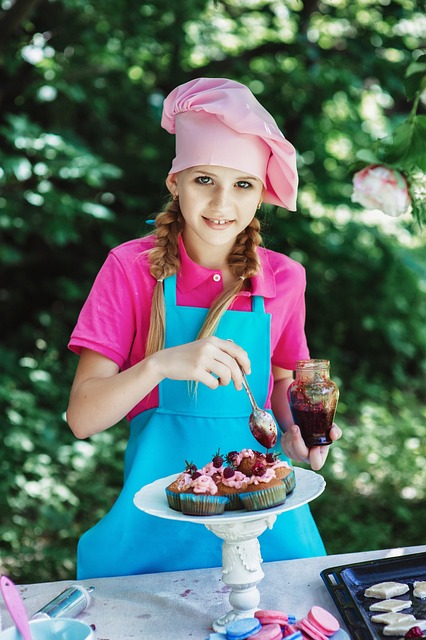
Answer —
(249, 393)
(15, 606)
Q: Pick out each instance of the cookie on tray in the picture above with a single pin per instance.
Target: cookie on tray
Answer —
(386, 590)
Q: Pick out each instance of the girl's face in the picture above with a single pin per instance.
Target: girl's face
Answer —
(217, 203)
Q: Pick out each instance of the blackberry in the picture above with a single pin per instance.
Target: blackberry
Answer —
(190, 467)
(230, 457)
(272, 457)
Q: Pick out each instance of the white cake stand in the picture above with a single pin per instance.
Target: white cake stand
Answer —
(239, 530)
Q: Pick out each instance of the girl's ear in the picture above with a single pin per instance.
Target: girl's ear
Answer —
(171, 184)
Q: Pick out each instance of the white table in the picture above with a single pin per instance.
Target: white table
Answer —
(182, 605)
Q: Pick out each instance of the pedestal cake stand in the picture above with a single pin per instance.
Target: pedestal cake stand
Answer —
(239, 530)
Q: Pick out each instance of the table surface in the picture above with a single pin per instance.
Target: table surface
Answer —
(182, 605)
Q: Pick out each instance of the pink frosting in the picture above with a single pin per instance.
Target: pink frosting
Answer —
(244, 453)
(204, 484)
(267, 477)
(184, 481)
(237, 480)
(210, 469)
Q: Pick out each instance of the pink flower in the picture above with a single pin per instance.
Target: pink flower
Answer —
(377, 187)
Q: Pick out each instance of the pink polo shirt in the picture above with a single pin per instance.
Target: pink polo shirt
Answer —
(115, 318)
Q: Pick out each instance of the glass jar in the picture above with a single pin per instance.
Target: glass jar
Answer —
(313, 400)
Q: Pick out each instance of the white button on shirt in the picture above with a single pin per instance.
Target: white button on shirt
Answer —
(217, 277)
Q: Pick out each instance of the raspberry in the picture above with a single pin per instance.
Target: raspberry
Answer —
(414, 632)
(228, 472)
(217, 460)
(258, 468)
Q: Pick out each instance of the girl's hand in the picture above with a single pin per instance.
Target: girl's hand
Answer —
(212, 361)
(294, 447)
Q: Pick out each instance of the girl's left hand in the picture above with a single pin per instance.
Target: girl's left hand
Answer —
(294, 447)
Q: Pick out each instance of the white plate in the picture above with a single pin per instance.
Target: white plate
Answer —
(152, 499)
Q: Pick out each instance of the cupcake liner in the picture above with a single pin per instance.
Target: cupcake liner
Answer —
(264, 498)
(173, 500)
(200, 505)
(290, 482)
(234, 502)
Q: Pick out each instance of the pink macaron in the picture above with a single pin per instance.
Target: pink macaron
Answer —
(268, 632)
(270, 616)
(309, 630)
(323, 621)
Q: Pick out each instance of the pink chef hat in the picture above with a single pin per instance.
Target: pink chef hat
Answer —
(219, 122)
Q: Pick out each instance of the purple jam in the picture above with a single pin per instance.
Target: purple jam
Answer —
(314, 425)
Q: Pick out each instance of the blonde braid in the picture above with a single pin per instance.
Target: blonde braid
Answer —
(164, 262)
(244, 263)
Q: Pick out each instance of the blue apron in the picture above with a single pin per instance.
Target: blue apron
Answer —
(190, 426)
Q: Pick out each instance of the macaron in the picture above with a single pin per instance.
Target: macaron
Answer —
(242, 628)
(270, 616)
(309, 630)
(268, 632)
(290, 632)
(323, 620)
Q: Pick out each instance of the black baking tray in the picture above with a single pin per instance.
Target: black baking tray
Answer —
(347, 583)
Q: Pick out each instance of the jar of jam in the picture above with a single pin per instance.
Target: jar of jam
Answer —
(313, 400)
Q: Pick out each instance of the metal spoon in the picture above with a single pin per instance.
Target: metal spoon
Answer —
(262, 425)
(15, 606)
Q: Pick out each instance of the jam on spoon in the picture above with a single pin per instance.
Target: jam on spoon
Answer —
(262, 425)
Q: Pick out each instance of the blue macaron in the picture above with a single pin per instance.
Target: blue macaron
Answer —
(243, 628)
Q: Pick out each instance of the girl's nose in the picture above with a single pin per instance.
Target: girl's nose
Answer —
(220, 198)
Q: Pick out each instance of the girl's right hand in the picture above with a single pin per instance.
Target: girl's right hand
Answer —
(212, 361)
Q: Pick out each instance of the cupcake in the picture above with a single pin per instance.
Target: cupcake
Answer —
(283, 470)
(176, 488)
(231, 483)
(263, 491)
(179, 486)
(203, 498)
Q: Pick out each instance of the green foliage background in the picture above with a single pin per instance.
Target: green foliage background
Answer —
(82, 166)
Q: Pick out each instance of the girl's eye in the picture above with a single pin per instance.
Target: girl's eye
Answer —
(243, 184)
(203, 180)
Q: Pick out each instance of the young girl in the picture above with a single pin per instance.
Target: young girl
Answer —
(197, 300)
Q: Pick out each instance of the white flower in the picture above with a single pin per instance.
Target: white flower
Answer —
(377, 187)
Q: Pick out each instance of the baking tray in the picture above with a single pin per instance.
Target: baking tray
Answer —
(347, 583)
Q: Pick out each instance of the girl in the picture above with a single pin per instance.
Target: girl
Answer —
(195, 301)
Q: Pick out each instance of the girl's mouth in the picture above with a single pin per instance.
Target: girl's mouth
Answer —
(218, 223)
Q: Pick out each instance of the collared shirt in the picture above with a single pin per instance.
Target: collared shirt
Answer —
(114, 320)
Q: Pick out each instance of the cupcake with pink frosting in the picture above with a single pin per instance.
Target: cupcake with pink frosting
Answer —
(179, 486)
(203, 497)
(264, 490)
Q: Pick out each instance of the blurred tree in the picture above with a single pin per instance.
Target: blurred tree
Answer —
(82, 166)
